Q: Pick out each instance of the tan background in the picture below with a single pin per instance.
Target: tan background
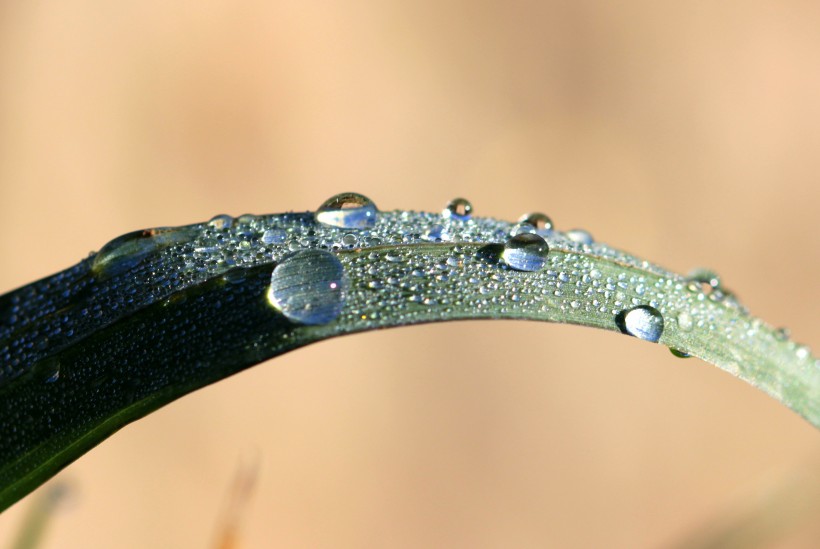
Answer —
(686, 132)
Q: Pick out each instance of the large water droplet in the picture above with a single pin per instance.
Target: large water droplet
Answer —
(308, 287)
(644, 322)
(458, 208)
(348, 211)
(123, 253)
(274, 236)
(526, 252)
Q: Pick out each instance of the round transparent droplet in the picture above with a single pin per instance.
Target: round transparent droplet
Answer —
(704, 279)
(348, 211)
(540, 221)
(308, 287)
(221, 221)
(580, 236)
(525, 252)
(458, 208)
(274, 236)
(678, 353)
(644, 322)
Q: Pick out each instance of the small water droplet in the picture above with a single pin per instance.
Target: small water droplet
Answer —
(48, 370)
(349, 240)
(704, 280)
(458, 208)
(685, 322)
(526, 252)
(348, 211)
(540, 221)
(308, 287)
(678, 353)
(782, 334)
(274, 236)
(644, 322)
(581, 236)
(221, 221)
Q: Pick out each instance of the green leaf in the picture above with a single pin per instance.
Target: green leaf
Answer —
(162, 312)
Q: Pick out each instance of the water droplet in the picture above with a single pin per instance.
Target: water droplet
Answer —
(221, 221)
(349, 211)
(308, 287)
(349, 240)
(644, 322)
(48, 369)
(437, 233)
(678, 353)
(522, 228)
(274, 236)
(782, 334)
(685, 322)
(580, 236)
(458, 208)
(540, 221)
(127, 251)
(526, 252)
(703, 279)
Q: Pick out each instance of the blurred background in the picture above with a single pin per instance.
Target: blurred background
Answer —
(687, 133)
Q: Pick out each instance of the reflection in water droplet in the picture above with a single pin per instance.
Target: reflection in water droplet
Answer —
(458, 208)
(308, 287)
(678, 353)
(48, 370)
(581, 236)
(221, 221)
(349, 211)
(540, 221)
(526, 252)
(644, 322)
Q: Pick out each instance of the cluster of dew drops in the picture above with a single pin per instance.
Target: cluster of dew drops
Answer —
(309, 286)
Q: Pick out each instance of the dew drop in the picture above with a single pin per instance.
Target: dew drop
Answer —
(437, 233)
(308, 287)
(221, 221)
(124, 252)
(348, 211)
(522, 228)
(526, 252)
(458, 208)
(274, 236)
(48, 370)
(678, 353)
(644, 322)
(703, 279)
(580, 236)
(540, 221)
(685, 322)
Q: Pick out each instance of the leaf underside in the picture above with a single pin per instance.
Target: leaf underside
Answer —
(163, 312)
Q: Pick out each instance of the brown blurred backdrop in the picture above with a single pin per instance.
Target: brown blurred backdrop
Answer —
(685, 132)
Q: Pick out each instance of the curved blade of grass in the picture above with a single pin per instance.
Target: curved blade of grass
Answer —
(162, 312)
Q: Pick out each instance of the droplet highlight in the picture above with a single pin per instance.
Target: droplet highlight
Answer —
(458, 208)
(348, 211)
(526, 252)
(308, 287)
(644, 322)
